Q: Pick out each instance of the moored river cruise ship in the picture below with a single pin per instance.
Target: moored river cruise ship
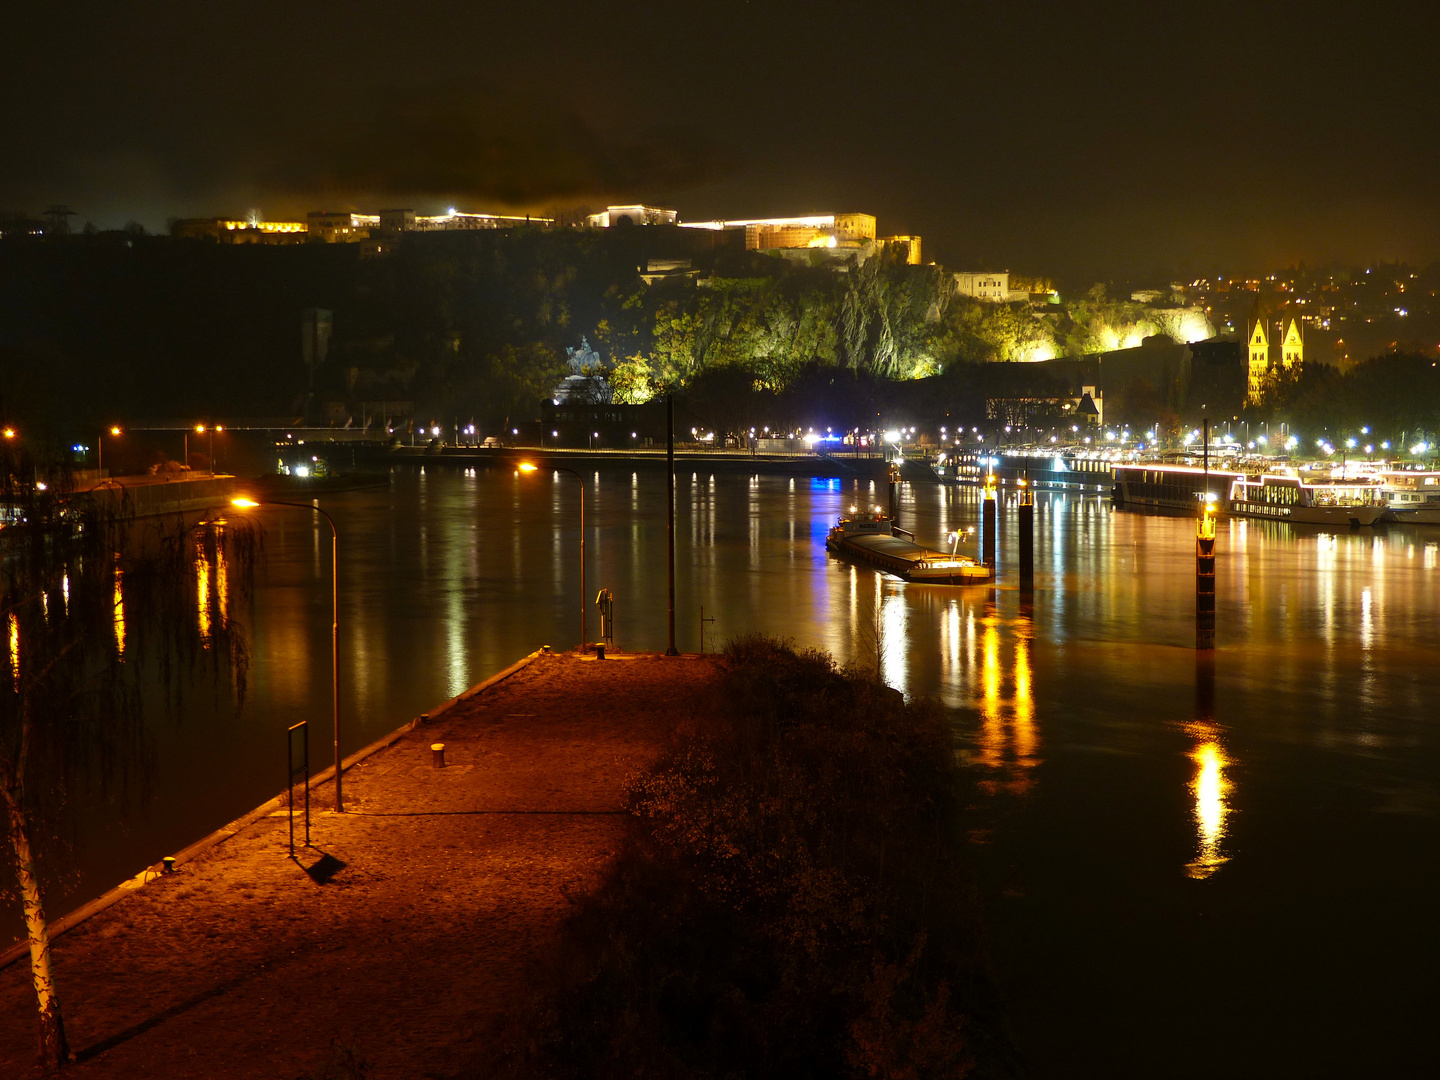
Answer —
(1279, 495)
(1412, 497)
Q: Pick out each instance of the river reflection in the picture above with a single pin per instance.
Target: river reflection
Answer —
(1164, 845)
(1210, 788)
(1007, 741)
(12, 649)
(118, 605)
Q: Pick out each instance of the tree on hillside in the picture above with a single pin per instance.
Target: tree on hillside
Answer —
(517, 378)
(974, 331)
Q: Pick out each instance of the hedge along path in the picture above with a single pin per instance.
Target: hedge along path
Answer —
(409, 928)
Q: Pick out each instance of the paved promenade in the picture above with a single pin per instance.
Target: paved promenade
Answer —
(410, 926)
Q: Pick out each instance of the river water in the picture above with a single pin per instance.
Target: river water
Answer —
(1188, 868)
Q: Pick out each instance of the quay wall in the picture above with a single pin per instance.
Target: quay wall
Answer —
(807, 464)
(277, 804)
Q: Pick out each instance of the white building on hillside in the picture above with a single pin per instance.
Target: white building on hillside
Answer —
(639, 214)
(992, 287)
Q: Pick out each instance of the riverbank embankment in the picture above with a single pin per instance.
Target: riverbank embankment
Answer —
(691, 458)
(410, 926)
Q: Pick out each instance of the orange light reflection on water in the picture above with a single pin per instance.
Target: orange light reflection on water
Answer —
(202, 594)
(119, 616)
(212, 589)
(1211, 790)
(14, 651)
(1009, 738)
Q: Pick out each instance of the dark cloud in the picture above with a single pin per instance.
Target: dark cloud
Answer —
(480, 145)
(1052, 138)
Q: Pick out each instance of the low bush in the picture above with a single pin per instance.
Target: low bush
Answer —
(792, 904)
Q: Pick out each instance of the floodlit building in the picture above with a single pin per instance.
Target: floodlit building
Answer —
(828, 237)
(908, 246)
(638, 214)
(397, 220)
(455, 219)
(1292, 345)
(991, 286)
(343, 227)
(851, 231)
(1259, 354)
(340, 226)
(1290, 333)
(240, 231)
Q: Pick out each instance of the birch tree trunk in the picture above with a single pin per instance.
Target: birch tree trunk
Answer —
(54, 1050)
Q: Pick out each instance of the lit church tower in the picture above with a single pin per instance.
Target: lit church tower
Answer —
(1292, 345)
(1259, 353)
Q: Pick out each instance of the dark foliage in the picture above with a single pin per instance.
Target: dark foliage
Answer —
(793, 904)
(1397, 396)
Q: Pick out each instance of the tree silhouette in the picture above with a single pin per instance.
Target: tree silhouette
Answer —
(83, 597)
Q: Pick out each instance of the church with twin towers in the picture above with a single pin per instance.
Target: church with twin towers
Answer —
(1289, 334)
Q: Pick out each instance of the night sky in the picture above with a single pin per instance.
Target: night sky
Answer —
(1081, 139)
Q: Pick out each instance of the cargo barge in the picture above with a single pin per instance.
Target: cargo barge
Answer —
(879, 542)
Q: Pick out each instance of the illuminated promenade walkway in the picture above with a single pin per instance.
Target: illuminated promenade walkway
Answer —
(450, 884)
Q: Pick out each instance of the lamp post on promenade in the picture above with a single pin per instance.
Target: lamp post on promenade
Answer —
(201, 429)
(527, 467)
(244, 503)
(100, 450)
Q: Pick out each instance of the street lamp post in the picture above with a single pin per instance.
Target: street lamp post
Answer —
(527, 467)
(201, 429)
(244, 503)
(100, 451)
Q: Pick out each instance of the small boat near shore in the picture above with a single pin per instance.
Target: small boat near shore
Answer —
(879, 542)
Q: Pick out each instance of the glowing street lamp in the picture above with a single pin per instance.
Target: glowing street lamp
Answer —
(100, 450)
(528, 467)
(243, 503)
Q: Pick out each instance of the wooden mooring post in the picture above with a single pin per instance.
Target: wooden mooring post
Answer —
(1205, 579)
(1205, 557)
(989, 511)
(1026, 514)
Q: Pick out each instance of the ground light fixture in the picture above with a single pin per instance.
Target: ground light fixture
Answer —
(243, 502)
(529, 467)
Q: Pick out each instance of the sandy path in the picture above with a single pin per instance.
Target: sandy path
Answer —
(453, 881)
